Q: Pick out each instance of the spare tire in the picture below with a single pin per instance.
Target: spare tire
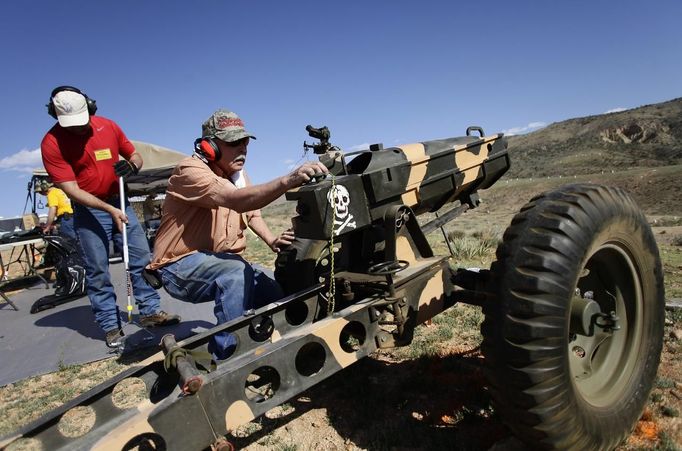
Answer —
(573, 340)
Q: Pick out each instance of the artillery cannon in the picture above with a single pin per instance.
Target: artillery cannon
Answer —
(422, 176)
(573, 307)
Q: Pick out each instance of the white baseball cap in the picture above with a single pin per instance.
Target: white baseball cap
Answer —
(71, 108)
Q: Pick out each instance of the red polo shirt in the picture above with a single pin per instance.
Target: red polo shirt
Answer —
(87, 159)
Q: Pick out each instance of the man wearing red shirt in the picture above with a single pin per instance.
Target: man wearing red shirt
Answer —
(84, 156)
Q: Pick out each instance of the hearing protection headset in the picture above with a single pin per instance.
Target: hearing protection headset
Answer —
(207, 149)
(43, 185)
(92, 104)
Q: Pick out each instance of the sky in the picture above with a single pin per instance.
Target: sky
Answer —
(386, 72)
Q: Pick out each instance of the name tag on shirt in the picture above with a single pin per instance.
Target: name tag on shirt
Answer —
(103, 154)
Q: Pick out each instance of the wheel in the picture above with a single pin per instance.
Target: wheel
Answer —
(302, 265)
(573, 340)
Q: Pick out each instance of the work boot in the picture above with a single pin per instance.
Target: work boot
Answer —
(159, 318)
(114, 338)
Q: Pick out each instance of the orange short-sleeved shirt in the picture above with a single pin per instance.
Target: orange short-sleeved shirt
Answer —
(192, 218)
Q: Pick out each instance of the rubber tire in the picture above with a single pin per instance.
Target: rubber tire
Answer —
(300, 265)
(540, 262)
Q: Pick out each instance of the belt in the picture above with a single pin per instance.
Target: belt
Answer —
(65, 217)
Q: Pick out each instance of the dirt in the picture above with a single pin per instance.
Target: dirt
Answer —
(668, 235)
(441, 402)
(386, 403)
(434, 403)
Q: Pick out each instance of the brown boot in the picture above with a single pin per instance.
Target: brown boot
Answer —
(114, 338)
(159, 318)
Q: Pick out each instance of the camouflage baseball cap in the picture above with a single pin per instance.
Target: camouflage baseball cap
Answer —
(224, 125)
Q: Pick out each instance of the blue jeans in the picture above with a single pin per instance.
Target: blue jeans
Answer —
(66, 228)
(226, 279)
(94, 229)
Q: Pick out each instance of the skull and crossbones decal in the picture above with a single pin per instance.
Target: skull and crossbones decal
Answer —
(339, 198)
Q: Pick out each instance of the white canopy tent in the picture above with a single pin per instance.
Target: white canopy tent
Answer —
(159, 163)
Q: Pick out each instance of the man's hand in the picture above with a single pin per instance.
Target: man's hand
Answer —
(306, 172)
(285, 239)
(120, 218)
(123, 168)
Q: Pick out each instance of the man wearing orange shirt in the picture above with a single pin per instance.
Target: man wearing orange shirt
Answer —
(209, 204)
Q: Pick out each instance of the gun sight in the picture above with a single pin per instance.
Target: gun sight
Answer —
(323, 135)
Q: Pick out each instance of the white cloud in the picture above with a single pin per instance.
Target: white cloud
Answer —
(615, 110)
(525, 129)
(22, 161)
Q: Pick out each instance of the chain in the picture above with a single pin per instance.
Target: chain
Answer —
(331, 293)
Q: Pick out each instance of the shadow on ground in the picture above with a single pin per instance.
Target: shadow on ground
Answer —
(434, 403)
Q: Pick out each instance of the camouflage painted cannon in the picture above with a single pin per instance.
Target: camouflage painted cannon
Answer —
(422, 176)
(573, 308)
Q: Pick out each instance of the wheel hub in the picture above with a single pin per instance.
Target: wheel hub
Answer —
(584, 314)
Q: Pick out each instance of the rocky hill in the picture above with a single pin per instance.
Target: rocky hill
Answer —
(648, 136)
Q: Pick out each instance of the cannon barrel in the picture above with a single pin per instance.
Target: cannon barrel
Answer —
(423, 176)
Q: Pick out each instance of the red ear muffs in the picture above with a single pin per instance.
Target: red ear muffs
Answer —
(208, 149)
